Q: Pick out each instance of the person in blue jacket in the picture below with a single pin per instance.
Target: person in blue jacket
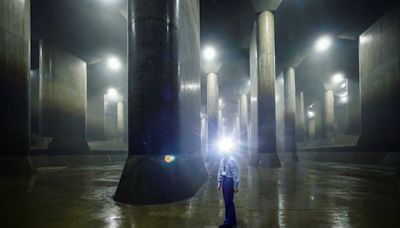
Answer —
(228, 180)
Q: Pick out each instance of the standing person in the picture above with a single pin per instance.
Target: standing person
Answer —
(228, 179)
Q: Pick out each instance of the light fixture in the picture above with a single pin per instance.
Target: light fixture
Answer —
(209, 53)
(323, 43)
(338, 77)
(112, 94)
(311, 114)
(344, 99)
(220, 102)
(343, 85)
(114, 63)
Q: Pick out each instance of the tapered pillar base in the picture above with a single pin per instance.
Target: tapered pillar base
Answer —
(270, 160)
(291, 157)
(151, 180)
(68, 145)
(16, 166)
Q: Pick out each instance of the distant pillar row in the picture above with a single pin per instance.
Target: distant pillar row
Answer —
(329, 113)
(266, 132)
(300, 122)
(120, 120)
(204, 137)
(290, 114)
(214, 115)
(243, 123)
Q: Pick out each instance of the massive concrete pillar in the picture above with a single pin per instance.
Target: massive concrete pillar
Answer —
(311, 128)
(204, 132)
(120, 120)
(290, 114)
(237, 127)
(243, 123)
(220, 124)
(317, 108)
(379, 51)
(95, 118)
(329, 111)
(164, 163)
(267, 153)
(214, 115)
(14, 87)
(353, 106)
(253, 97)
(300, 118)
(62, 99)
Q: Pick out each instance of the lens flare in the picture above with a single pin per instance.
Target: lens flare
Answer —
(169, 158)
(226, 145)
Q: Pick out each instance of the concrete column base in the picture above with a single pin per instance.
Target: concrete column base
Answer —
(150, 180)
(270, 160)
(16, 166)
(291, 157)
(68, 145)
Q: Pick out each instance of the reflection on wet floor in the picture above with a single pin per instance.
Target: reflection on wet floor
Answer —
(305, 195)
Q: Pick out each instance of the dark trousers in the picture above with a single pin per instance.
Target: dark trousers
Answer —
(227, 190)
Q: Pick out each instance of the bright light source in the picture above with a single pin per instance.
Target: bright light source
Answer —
(114, 63)
(112, 94)
(311, 114)
(248, 82)
(220, 102)
(169, 158)
(323, 43)
(343, 85)
(338, 77)
(226, 145)
(344, 99)
(209, 53)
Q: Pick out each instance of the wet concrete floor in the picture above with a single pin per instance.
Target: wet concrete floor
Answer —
(305, 195)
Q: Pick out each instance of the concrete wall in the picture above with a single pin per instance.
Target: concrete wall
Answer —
(95, 118)
(62, 97)
(15, 35)
(379, 51)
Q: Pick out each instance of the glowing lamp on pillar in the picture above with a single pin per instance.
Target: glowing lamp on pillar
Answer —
(209, 53)
(323, 43)
(113, 63)
(337, 78)
(112, 94)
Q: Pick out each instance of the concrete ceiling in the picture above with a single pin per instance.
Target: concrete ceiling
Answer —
(90, 29)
